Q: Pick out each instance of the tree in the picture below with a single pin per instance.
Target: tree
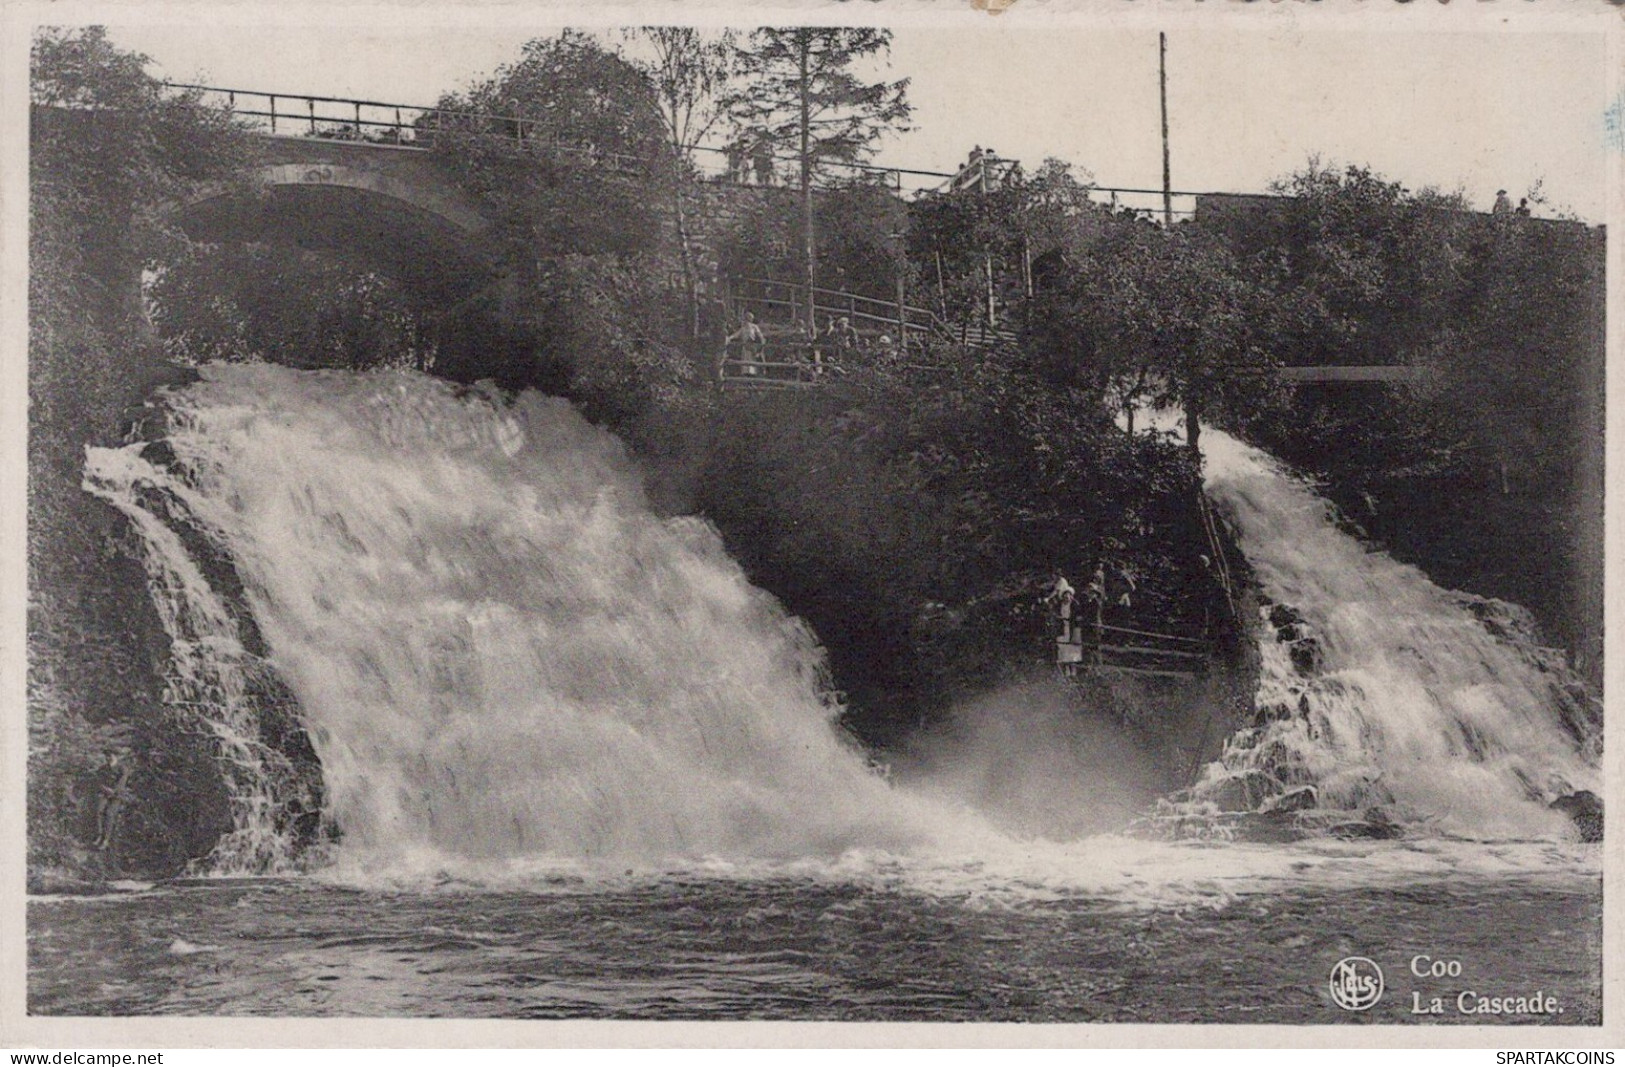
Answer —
(286, 305)
(1484, 473)
(980, 241)
(800, 92)
(689, 70)
(1168, 317)
(549, 142)
(562, 148)
(110, 150)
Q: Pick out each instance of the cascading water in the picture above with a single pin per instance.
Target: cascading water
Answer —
(500, 654)
(498, 650)
(1379, 689)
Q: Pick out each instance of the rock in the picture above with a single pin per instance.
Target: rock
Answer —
(1585, 808)
(1305, 655)
(1285, 620)
(1303, 798)
(1244, 792)
(50, 883)
(1377, 826)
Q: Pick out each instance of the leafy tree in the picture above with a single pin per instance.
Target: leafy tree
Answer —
(557, 145)
(982, 241)
(860, 222)
(1505, 314)
(562, 148)
(1365, 268)
(688, 69)
(911, 520)
(285, 305)
(1165, 317)
(797, 88)
(111, 150)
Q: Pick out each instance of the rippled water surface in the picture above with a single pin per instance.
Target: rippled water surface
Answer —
(802, 948)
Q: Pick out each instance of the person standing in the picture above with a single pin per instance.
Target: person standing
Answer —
(752, 343)
(1503, 206)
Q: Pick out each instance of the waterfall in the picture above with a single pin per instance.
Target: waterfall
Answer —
(500, 654)
(498, 650)
(1380, 689)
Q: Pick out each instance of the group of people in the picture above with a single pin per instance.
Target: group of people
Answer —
(751, 158)
(1065, 611)
(1503, 204)
(971, 175)
(813, 349)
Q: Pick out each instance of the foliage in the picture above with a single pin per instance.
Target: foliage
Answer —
(913, 519)
(554, 145)
(959, 236)
(113, 145)
(1365, 268)
(612, 323)
(111, 149)
(859, 222)
(689, 70)
(1505, 314)
(798, 91)
(286, 305)
(1167, 318)
(561, 148)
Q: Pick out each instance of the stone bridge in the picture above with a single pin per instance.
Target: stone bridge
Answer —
(392, 206)
(387, 204)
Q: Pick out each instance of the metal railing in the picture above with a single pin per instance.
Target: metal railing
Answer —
(399, 125)
(378, 123)
(777, 297)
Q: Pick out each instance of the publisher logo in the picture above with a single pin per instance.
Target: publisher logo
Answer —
(1356, 983)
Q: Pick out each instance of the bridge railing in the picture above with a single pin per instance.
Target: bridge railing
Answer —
(402, 125)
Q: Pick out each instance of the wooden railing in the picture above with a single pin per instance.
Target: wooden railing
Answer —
(1122, 650)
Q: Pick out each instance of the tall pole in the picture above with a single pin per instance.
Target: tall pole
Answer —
(808, 248)
(1167, 174)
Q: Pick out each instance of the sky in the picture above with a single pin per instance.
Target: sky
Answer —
(1478, 111)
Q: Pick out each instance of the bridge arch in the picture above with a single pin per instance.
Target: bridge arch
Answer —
(386, 206)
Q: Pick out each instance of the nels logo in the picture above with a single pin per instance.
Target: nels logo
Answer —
(1356, 983)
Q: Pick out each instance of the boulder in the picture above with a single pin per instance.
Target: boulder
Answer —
(1585, 808)
(1244, 792)
(1376, 826)
(1303, 798)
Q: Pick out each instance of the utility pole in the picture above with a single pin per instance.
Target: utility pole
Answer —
(1167, 174)
(808, 248)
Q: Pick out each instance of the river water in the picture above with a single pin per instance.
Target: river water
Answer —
(820, 947)
(572, 764)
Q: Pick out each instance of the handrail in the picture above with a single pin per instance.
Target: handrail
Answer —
(1150, 633)
(1221, 562)
(1141, 650)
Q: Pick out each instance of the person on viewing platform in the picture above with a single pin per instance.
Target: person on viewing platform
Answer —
(1503, 206)
(807, 353)
(1062, 603)
(1523, 207)
(761, 159)
(751, 344)
(846, 338)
